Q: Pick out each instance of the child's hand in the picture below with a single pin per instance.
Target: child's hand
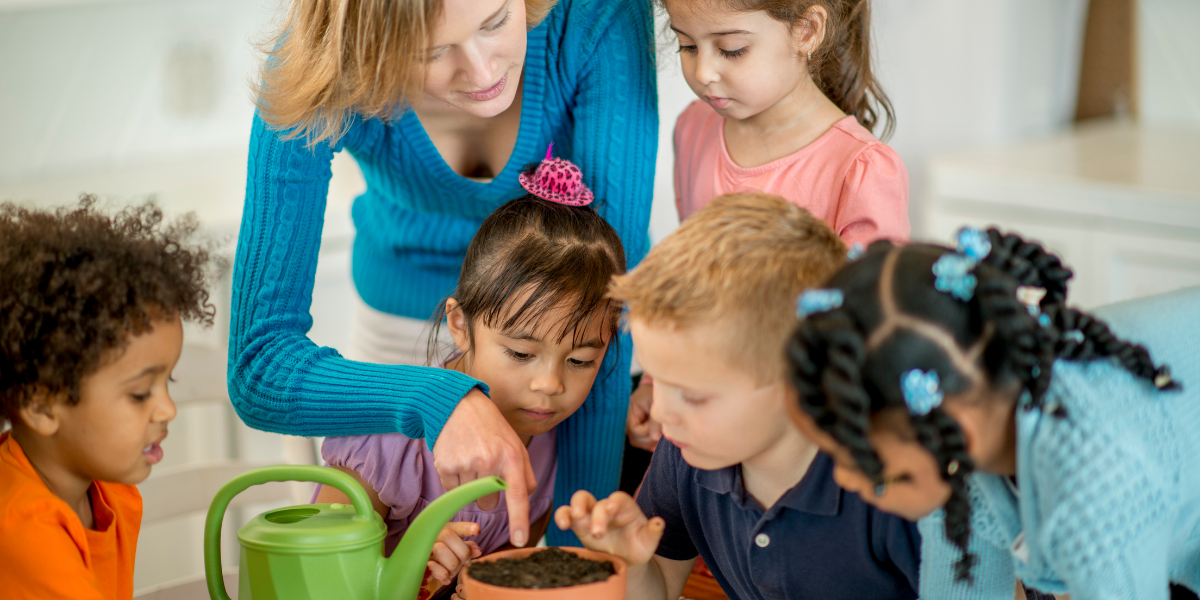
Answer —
(615, 525)
(643, 431)
(451, 553)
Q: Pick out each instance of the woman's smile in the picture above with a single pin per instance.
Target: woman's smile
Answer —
(490, 93)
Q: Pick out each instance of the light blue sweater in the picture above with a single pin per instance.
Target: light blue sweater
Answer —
(1107, 502)
(589, 86)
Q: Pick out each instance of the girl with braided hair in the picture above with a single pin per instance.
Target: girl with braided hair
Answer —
(956, 387)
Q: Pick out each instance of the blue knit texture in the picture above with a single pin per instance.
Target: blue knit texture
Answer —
(589, 86)
(1109, 497)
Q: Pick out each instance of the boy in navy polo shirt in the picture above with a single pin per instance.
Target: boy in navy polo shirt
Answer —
(735, 482)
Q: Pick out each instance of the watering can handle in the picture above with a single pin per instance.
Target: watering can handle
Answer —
(235, 486)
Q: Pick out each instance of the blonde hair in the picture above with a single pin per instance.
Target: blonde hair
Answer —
(741, 262)
(331, 58)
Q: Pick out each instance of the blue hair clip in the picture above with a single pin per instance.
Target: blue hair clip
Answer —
(856, 251)
(1044, 320)
(922, 391)
(953, 271)
(973, 243)
(954, 276)
(1074, 335)
(818, 300)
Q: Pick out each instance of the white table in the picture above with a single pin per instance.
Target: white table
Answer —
(1119, 202)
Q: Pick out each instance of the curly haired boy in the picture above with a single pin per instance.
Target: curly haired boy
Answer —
(90, 329)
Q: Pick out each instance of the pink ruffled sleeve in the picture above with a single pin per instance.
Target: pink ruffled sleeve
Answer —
(874, 200)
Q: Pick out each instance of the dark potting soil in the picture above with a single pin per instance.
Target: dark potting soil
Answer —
(549, 568)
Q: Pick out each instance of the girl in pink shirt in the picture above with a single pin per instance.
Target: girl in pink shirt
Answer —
(788, 103)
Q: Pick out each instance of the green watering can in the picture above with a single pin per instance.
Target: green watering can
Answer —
(327, 551)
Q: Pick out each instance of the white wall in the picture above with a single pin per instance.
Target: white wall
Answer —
(117, 83)
(969, 74)
(1168, 69)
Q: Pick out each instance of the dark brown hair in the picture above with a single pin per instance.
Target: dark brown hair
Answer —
(847, 362)
(78, 284)
(552, 254)
(841, 65)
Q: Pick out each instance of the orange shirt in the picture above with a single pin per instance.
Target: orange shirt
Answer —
(846, 177)
(46, 554)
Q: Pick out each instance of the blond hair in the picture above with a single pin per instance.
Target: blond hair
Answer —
(332, 58)
(739, 263)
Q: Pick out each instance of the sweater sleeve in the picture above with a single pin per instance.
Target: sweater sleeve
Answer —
(615, 140)
(874, 200)
(992, 576)
(278, 379)
(1106, 528)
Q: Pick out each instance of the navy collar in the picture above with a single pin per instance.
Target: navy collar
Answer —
(815, 494)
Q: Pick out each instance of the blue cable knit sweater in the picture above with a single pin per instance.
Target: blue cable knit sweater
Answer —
(589, 86)
(1107, 501)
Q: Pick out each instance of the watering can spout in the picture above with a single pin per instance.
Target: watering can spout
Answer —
(400, 578)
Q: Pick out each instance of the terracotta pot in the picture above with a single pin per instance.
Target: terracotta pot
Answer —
(612, 588)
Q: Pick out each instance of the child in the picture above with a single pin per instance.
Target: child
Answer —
(788, 105)
(788, 102)
(733, 481)
(1061, 454)
(90, 319)
(531, 320)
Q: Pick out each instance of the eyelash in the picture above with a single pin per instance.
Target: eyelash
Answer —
(500, 24)
(730, 54)
(523, 357)
(146, 396)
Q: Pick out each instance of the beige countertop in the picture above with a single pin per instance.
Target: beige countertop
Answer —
(1106, 169)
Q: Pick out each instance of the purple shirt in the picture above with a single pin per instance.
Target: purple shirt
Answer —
(401, 471)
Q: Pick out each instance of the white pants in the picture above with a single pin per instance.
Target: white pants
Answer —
(382, 338)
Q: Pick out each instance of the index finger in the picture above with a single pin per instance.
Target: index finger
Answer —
(463, 529)
(517, 498)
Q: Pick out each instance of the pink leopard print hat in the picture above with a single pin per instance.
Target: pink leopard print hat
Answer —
(557, 180)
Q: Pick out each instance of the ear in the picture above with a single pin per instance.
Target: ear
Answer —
(456, 322)
(43, 413)
(810, 31)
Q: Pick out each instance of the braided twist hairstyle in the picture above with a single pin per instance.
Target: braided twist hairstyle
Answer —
(1095, 340)
(847, 363)
(940, 434)
(835, 372)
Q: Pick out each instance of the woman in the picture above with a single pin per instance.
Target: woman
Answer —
(441, 103)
